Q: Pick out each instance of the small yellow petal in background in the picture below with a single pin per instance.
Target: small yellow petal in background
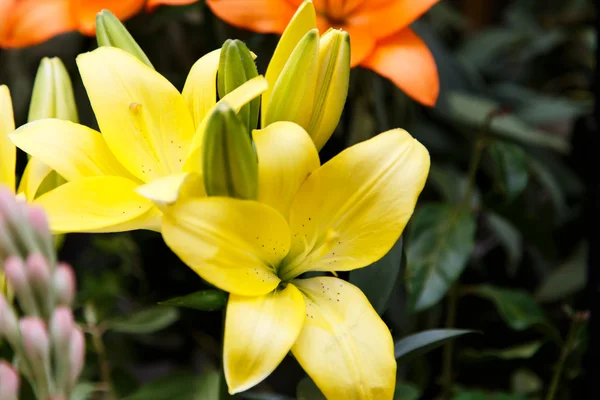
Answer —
(351, 210)
(233, 244)
(74, 151)
(97, 204)
(144, 119)
(167, 190)
(286, 156)
(344, 346)
(8, 152)
(33, 176)
(259, 332)
(303, 21)
(200, 89)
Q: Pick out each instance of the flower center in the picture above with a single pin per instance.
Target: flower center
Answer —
(298, 265)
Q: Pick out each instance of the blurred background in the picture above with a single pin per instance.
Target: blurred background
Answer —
(516, 82)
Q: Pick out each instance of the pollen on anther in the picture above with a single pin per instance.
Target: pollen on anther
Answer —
(135, 108)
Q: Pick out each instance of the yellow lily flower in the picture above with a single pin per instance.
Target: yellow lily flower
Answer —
(340, 216)
(149, 142)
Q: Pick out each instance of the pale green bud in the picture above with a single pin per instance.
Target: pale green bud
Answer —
(332, 86)
(293, 92)
(52, 95)
(230, 165)
(111, 32)
(236, 67)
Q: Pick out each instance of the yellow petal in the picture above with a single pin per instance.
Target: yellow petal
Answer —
(351, 210)
(286, 156)
(97, 204)
(344, 346)
(165, 191)
(144, 119)
(74, 151)
(8, 152)
(200, 89)
(236, 99)
(33, 176)
(259, 332)
(303, 21)
(233, 244)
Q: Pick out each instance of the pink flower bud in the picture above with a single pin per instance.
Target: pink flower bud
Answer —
(9, 382)
(39, 221)
(38, 272)
(7, 201)
(17, 277)
(35, 340)
(76, 354)
(61, 329)
(63, 285)
(8, 247)
(9, 326)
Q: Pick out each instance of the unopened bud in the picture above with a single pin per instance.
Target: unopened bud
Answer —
(9, 326)
(236, 67)
(61, 332)
(111, 32)
(16, 227)
(63, 285)
(35, 339)
(39, 222)
(15, 272)
(333, 79)
(230, 166)
(38, 272)
(293, 91)
(76, 354)
(52, 95)
(9, 382)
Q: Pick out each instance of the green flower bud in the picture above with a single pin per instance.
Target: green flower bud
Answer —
(52, 95)
(230, 165)
(236, 67)
(293, 92)
(111, 32)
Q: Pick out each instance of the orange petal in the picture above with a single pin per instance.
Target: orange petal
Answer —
(267, 16)
(84, 11)
(152, 4)
(384, 17)
(406, 60)
(362, 44)
(30, 22)
(337, 9)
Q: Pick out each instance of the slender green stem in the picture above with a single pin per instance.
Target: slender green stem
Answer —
(103, 364)
(576, 324)
(453, 294)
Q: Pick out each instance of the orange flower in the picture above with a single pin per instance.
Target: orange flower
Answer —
(379, 31)
(30, 22)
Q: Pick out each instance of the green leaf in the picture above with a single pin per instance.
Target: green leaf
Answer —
(525, 381)
(567, 279)
(405, 391)
(205, 300)
(509, 237)
(516, 307)
(510, 168)
(474, 111)
(180, 386)
(307, 390)
(521, 351)
(377, 280)
(147, 321)
(420, 343)
(441, 239)
(479, 395)
(549, 181)
(452, 184)
(83, 391)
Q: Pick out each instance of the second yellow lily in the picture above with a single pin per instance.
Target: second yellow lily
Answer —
(147, 143)
(340, 216)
